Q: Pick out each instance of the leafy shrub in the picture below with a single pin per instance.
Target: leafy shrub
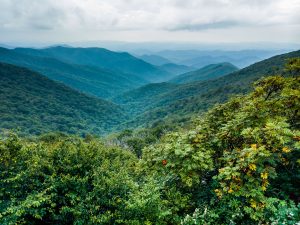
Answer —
(246, 152)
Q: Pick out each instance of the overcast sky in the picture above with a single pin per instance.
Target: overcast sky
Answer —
(52, 21)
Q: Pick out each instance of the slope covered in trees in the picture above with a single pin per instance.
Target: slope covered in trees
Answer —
(35, 104)
(103, 58)
(151, 104)
(93, 80)
(239, 164)
(187, 99)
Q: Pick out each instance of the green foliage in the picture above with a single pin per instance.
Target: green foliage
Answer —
(63, 181)
(245, 151)
(293, 66)
(181, 148)
(287, 213)
(136, 140)
(58, 179)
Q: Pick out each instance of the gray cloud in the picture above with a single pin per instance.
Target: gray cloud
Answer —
(200, 26)
(102, 16)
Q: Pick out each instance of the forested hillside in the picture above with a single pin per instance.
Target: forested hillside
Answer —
(238, 164)
(142, 107)
(103, 58)
(33, 104)
(188, 99)
(93, 80)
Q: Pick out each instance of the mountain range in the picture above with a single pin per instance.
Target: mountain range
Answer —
(63, 89)
(206, 73)
(94, 71)
(185, 100)
(155, 59)
(102, 58)
(198, 58)
(88, 79)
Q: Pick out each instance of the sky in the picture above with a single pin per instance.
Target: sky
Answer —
(199, 21)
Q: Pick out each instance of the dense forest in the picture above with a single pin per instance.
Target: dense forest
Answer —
(216, 145)
(34, 104)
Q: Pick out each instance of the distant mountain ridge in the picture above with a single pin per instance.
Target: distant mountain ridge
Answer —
(176, 69)
(102, 58)
(155, 59)
(201, 58)
(206, 73)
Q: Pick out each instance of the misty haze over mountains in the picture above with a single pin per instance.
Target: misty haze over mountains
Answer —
(145, 88)
(104, 73)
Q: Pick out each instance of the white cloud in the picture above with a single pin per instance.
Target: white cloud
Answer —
(101, 16)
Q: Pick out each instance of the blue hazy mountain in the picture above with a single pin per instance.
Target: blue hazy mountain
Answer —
(155, 59)
(176, 69)
(206, 73)
(200, 58)
(103, 58)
